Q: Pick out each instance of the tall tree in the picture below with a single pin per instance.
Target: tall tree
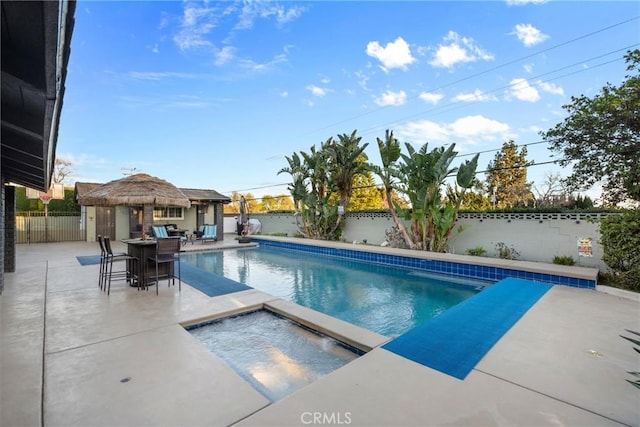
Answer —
(61, 170)
(365, 193)
(600, 138)
(475, 201)
(281, 202)
(507, 177)
(323, 181)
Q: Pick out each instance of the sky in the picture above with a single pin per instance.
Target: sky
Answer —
(214, 95)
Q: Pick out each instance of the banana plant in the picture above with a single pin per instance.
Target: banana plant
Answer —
(420, 175)
(389, 149)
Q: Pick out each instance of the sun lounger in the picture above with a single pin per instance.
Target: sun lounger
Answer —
(210, 232)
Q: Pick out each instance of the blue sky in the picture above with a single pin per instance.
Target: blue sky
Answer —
(215, 94)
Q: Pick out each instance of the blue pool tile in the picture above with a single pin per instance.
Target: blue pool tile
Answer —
(453, 268)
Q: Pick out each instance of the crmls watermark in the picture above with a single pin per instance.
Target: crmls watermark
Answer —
(326, 418)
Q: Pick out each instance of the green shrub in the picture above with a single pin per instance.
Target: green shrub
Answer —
(564, 260)
(620, 240)
(506, 252)
(477, 251)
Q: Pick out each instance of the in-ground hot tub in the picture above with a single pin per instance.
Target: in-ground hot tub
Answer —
(276, 355)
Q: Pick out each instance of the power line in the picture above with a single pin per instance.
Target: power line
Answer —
(485, 71)
(379, 186)
(456, 105)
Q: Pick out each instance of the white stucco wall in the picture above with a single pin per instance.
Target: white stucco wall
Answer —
(537, 237)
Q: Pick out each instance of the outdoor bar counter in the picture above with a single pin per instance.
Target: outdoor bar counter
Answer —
(143, 249)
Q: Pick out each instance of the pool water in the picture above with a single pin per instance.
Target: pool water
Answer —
(276, 355)
(384, 299)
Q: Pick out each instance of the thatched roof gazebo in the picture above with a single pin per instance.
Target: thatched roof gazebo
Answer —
(136, 190)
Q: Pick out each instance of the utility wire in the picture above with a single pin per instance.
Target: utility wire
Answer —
(457, 105)
(497, 67)
(379, 186)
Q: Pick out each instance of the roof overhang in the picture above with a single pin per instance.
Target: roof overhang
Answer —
(36, 38)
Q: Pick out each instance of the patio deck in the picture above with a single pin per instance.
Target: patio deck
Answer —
(73, 356)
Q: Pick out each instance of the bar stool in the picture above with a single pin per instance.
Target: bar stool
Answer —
(103, 257)
(129, 274)
(166, 251)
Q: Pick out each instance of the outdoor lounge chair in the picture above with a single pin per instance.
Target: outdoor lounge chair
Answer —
(210, 232)
(160, 232)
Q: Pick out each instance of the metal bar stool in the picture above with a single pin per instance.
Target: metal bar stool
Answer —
(129, 274)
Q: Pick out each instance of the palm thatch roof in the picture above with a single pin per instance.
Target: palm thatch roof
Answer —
(135, 190)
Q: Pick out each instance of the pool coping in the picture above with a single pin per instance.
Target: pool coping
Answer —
(347, 333)
(582, 277)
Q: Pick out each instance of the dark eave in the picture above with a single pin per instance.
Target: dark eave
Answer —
(35, 54)
(198, 195)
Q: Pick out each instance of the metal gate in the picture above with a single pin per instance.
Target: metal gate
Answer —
(36, 227)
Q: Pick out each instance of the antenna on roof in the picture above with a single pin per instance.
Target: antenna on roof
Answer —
(129, 171)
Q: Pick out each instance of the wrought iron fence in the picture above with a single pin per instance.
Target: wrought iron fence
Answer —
(36, 227)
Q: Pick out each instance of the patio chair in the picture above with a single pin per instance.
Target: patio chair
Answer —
(107, 274)
(166, 251)
(160, 231)
(210, 232)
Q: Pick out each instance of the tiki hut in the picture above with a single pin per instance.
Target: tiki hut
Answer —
(137, 190)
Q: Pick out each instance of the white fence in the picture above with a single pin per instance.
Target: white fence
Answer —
(535, 236)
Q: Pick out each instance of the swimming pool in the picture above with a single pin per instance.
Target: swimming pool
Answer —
(384, 299)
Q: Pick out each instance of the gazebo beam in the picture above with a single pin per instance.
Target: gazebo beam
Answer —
(147, 218)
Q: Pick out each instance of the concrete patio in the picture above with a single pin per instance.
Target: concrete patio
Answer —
(73, 356)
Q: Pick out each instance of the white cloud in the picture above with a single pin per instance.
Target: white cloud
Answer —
(524, 2)
(424, 131)
(431, 98)
(197, 22)
(391, 98)
(362, 80)
(188, 104)
(477, 127)
(224, 55)
(528, 68)
(155, 48)
(465, 130)
(252, 10)
(475, 96)
(157, 76)
(529, 35)
(523, 91)
(284, 94)
(551, 88)
(456, 49)
(261, 67)
(316, 90)
(396, 54)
